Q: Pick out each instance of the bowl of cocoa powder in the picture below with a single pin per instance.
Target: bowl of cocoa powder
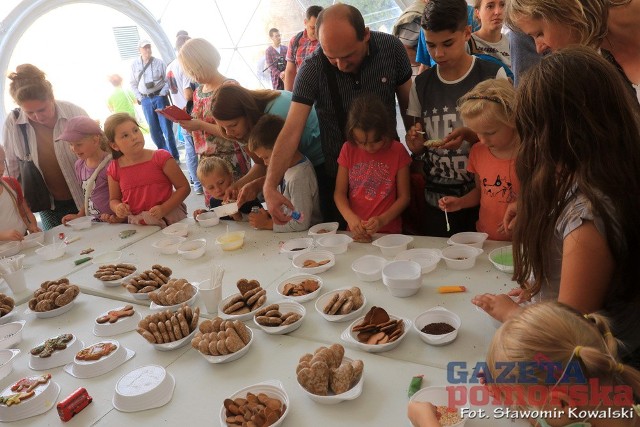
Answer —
(437, 326)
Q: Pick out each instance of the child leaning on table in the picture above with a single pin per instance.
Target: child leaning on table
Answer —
(372, 185)
(580, 355)
(298, 185)
(216, 175)
(488, 111)
(15, 215)
(88, 142)
(142, 181)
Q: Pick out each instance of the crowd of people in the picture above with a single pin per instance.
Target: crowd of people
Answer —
(530, 135)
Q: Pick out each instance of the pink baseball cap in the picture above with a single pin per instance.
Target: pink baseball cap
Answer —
(78, 128)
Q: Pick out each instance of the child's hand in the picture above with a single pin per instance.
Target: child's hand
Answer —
(454, 140)
(509, 220)
(198, 212)
(355, 225)
(11, 235)
(69, 217)
(123, 210)
(501, 307)
(450, 204)
(236, 216)
(157, 212)
(415, 139)
(261, 220)
(422, 414)
(372, 226)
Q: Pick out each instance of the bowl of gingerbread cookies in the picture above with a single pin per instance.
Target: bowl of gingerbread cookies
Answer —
(167, 330)
(222, 341)
(280, 318)
(53, 352)
(341, 305)
(116, 321)
(141, 284)
(114, 274)
(314, 261)
(98, 359)
(328, 377)
(243, 305)
(53, 298)
(301, 287)
(263, 404)
(172, 295)
(377, 331)
(7, 304)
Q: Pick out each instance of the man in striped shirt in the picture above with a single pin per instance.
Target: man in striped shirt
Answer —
(358, 61)
(300, 46)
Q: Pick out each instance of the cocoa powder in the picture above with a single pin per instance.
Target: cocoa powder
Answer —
(439, 328)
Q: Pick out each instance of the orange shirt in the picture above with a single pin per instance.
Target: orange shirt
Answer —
(499, 186)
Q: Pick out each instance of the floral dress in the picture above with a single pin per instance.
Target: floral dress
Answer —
(207, 145)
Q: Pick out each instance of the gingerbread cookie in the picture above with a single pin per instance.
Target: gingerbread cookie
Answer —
(325, 371)
(51, 345)
(114, 315)
(96, 351)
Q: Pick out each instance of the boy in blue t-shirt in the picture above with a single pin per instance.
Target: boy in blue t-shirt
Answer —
(432, 103)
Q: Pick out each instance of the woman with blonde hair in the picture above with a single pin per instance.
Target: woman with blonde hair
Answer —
(30, 133)
(200, 61)
(613, 26)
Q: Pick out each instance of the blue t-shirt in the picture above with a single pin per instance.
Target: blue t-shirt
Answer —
(310, 144)
(422, 54)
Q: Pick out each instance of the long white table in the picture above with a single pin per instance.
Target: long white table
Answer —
(201, 387)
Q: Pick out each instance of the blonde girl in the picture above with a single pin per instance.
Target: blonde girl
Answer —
(488, 110)
(216, 176)
(16, 217)
(372, 185)
(145, 186)
(88, 142)
(582, 348)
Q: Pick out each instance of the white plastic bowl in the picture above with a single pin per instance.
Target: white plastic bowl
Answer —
(332, 399)
(56, 311)
(438, 396)
(403, 278)
(168, 245)
(502, 258)
(272, 388)
(11, 334)
(460, 257)
(437, 315)
(293, 247)
(323, 229)
(226, 209)
(6, 361)
(52, 251)
(32, 239)
(231, 356)
(157, 307)
(81, 223)
(10, 248)
(285, 307)
(178, 229)
(192, 249)
(336, 243)
(231, 241)
(208, 219)
(175, 344)
(427, 258)
(44, 398)
(324, 299)
(122, 325)
(143, 388)
(95, 368)
(299, 279)
(58, 357)
(351, 337)
(241, 317)
(107, 258)
(368, 268)
(315, 255)
(469, 238)
(392, 244)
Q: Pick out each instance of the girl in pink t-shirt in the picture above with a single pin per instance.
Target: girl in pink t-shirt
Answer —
(142, 181)
(372, 185)
(487, 110)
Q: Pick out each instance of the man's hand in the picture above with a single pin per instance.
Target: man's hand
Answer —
(248, 192)
(275, 200)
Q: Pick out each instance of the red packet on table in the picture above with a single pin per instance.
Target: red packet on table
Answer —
(174, 113)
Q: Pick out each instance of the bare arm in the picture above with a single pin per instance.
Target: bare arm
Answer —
(579, 249)
(115, 199)
(402, 92)
(402, 199)
(179, 182)
(286, 145)
(340, 196)
(290, 76)
(33, 223)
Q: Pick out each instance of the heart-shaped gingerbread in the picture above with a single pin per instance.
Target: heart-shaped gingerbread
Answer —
(341, 378)
(315, 379)
(245, 285)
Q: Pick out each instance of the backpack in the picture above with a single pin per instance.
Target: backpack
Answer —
(296, 44)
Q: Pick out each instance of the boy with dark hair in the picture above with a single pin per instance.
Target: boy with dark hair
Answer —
(432, 102)
(298, 185)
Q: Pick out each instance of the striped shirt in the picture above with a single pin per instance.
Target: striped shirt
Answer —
(14, 146)
(155, 73)
(384, 69)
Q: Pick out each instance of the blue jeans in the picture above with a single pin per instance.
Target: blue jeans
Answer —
(192, 158)
(159, 125)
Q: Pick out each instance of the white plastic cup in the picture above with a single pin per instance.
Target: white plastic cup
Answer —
(16, 281)
(211, 296)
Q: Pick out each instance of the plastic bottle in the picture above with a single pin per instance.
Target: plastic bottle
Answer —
(255, 209)
(295, 215)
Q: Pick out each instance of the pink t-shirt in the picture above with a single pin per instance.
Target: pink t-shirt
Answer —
(372, 180)
(143, 185)
(499, 186)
